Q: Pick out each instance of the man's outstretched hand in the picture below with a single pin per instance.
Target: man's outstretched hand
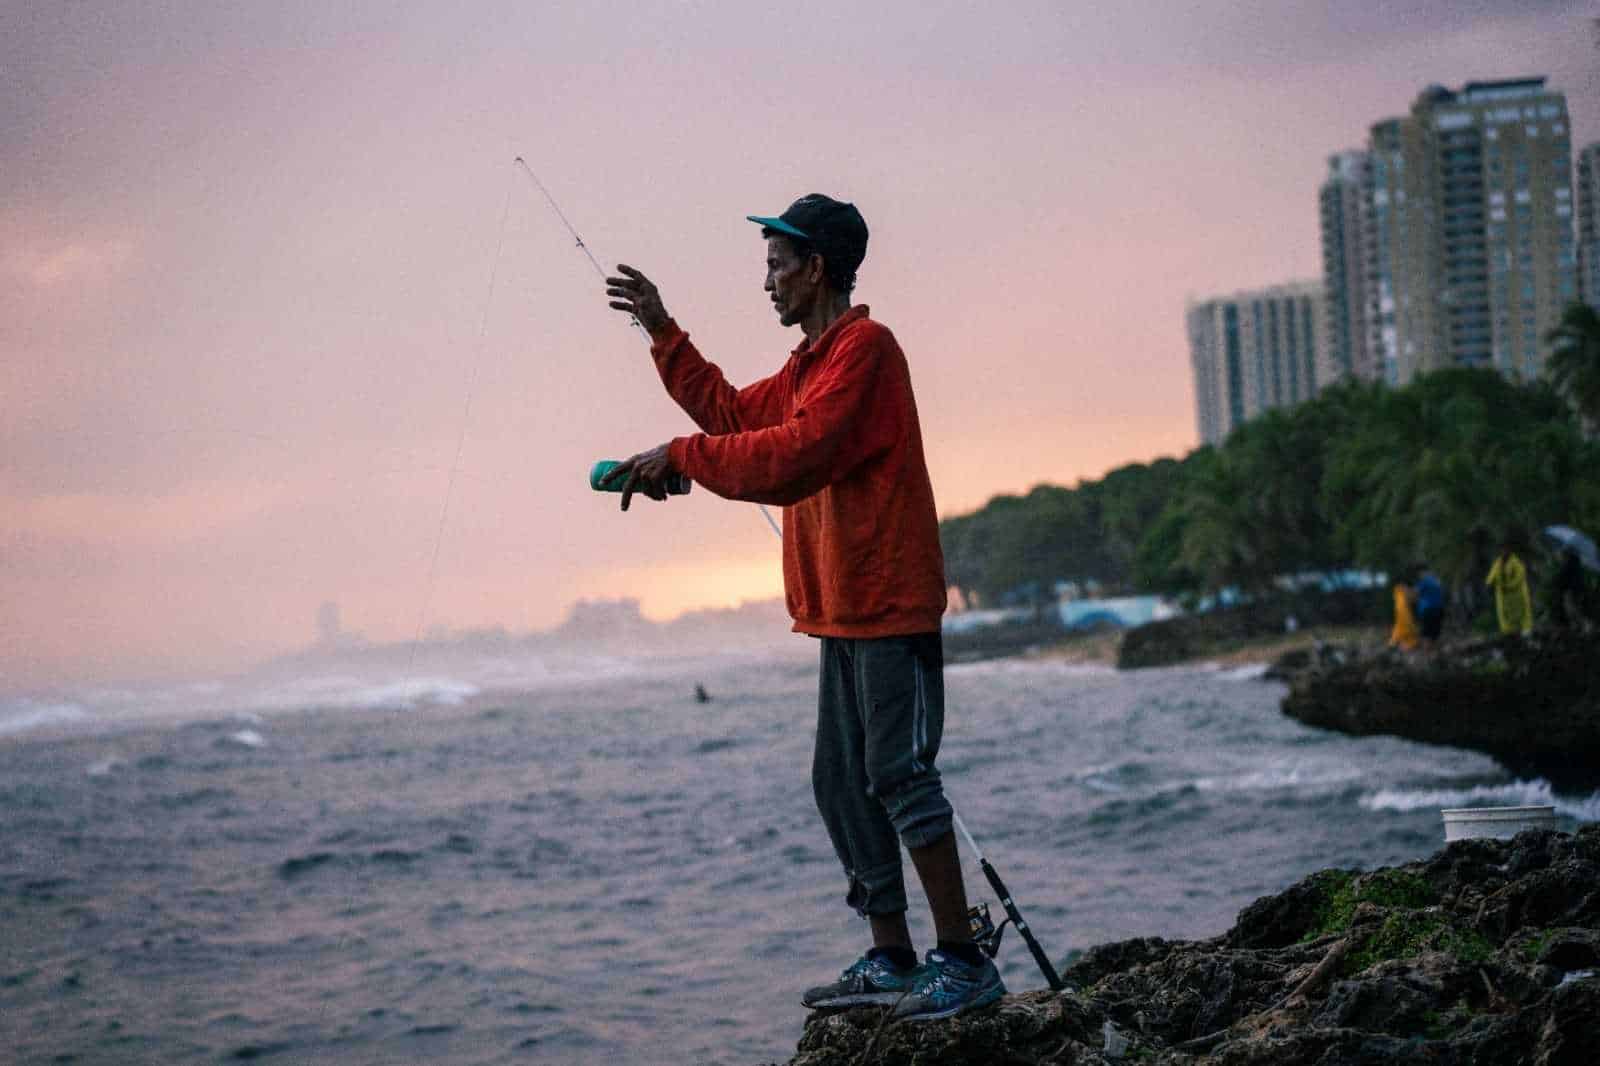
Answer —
(638, 295)
(646, 472)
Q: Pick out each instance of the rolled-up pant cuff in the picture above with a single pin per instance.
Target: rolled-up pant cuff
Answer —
(927, 832)
(881, 890)
(919, 811)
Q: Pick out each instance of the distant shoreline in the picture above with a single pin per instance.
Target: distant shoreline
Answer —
(1101, 647)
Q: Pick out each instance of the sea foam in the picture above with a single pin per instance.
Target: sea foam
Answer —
(349, 693)
(22, 715)
(1535, 793)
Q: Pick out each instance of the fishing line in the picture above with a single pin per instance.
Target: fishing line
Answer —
(562, 215)
(461, 438)
(598, 269)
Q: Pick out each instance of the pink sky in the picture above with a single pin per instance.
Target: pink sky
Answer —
(245, 259)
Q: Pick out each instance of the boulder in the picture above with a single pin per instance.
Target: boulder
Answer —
(1533, 703)
(1486, 953)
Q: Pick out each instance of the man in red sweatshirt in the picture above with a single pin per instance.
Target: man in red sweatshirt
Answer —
(833, 438)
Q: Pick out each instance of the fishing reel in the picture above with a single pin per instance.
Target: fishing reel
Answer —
(985, 933)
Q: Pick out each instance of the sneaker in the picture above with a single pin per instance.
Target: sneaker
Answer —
(870, 981)
(946, 986)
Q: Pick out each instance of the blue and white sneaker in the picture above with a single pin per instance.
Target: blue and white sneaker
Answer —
(946, 986)
(869, 981)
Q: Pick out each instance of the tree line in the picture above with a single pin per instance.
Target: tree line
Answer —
(1362, 477)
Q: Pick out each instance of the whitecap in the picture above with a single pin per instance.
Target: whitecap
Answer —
(1246, 672)
(247, 738)
(104, 767)
(1535, 793)
(1294, 776)
(19, 716)
(348, 693)
(411, 692)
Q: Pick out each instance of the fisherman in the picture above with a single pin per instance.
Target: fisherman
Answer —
(834, 438)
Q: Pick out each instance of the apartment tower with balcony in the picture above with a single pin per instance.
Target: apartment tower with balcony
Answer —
(1345, 203)
(1256, 350)
(1473, 253)
(1588, 228)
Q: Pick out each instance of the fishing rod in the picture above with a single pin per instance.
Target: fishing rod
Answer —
(598, 269)
(584, 248)
(984, 932)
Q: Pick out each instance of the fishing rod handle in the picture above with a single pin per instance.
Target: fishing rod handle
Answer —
(1043, 960)
(676, 484)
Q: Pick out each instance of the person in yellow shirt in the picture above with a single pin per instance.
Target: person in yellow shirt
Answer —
(1404, 635)
(1509, 579)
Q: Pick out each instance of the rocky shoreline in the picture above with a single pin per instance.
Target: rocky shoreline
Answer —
(1201, 636)
(1487, 953)
(1532, 703)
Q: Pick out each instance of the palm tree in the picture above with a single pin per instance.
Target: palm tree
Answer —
(1574, 363)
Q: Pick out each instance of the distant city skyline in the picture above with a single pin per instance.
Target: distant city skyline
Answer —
(1449, 240)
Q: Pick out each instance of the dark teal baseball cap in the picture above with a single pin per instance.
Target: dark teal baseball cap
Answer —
(832, 227)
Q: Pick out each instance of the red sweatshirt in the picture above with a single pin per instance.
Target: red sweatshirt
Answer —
(833, 437)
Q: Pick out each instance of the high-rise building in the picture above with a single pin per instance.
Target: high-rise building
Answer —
(1347, 252)
(1252, 351)
(1589, 225)
(1473, 254)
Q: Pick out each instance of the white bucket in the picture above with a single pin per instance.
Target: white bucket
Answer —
(1498, 823)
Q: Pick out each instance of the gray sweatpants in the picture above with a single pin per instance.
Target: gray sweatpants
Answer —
(880, 714)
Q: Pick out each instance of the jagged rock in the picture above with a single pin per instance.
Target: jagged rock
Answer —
(1031, 1028)
(1190, 636)
(1531, 702)
(1296, 661)
(1288, 665)
(1486, 953)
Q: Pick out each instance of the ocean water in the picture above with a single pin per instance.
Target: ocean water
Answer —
(527, 866)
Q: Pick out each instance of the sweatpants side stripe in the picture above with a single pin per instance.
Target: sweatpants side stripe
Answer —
(919, 721)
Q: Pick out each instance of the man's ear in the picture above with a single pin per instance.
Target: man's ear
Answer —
(815, 268)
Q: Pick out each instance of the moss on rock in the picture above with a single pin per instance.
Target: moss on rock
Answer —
(1485, 953)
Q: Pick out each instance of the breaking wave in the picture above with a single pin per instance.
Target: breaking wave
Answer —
(1535, 793)
(20, 716)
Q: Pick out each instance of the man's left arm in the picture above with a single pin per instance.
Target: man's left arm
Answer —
(836, 426)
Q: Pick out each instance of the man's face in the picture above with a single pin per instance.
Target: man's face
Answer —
(790, 280)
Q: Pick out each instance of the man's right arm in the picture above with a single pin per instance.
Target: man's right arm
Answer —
(700, 388)
(697, 386)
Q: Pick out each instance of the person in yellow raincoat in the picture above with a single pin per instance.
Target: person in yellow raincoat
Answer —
(1509, 579)
(1405, 634)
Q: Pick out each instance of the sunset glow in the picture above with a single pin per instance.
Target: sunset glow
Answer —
(268, 276)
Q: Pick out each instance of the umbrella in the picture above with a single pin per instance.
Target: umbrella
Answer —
(1563, 537)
